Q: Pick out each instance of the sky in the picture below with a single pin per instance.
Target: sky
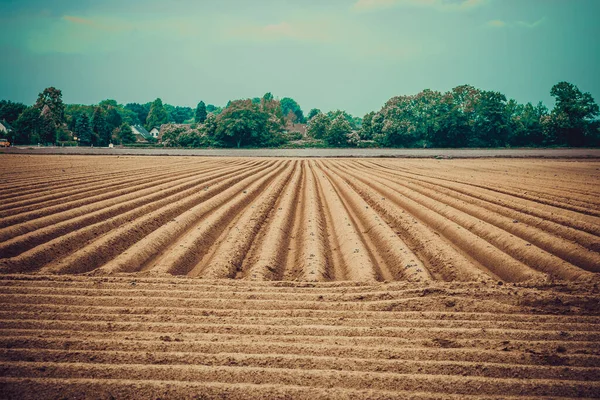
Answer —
(351, 55)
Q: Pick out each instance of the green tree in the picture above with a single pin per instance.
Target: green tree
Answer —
(210, 126)
(52, 111)
(351, 120)
(47, 127)
(140, 110)
(318, 126)
(394, 125)
(125, 134)
(526, 128)
(366, 132)
(51, 99)
(83, 130)
(27, 127)
(114, 119)
(267, 97)
(452, 125)
(241, 123)
(312, 113)
(338, 132)
(10, 111)
(244, 123)
(157, 115)
(212, 109)
(491, 123)
(201, 113)
(100, 128)
(177, 114)
(572, 115)
(290, 105)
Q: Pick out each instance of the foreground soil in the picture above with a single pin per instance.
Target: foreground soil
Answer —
(132, 337)
(328, 278)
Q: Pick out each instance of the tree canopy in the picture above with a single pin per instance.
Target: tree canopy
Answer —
(464, 116)
(157, 115)
(201, 113)
(246, 123)
(10, 111)
(288, 106)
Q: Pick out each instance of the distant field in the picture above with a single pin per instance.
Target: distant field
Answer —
(349, 278)
(294, 219)
(405, 153)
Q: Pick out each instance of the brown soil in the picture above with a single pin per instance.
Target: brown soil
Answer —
(330, 278)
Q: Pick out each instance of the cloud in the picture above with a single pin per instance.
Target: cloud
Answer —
(106, 25)
(496, 23)
(531, 25)
(78, 20)
(301, 31)
(439, 5)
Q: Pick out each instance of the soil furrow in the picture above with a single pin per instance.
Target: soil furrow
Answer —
(180, 256)
(396, 260)
(475, 222)
(441, 259)
(108, 246)
(242, 346)
(232, 247)
(314, 378)
(348, 245)
(267, 258)
(291, 361)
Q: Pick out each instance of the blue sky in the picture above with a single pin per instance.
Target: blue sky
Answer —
(339, 54)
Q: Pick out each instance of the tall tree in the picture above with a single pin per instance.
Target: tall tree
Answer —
(201, 113)
(52, 111)
(83, 130)
(572, 115)
(100, 128)
(157, 115)
(27, 127)
(366, 133)
(113, 118)
(51, 99)
(491, 123)
(47, 126)
(288, 104)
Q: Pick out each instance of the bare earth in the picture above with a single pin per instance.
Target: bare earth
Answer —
(320, 278)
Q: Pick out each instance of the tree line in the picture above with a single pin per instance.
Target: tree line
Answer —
(462, 117)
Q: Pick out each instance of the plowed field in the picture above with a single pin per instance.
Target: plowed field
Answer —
(321, 278)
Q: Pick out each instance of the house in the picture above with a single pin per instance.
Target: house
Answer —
(141, 134)
(5, 127)
(155, 131)
(296, 128)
